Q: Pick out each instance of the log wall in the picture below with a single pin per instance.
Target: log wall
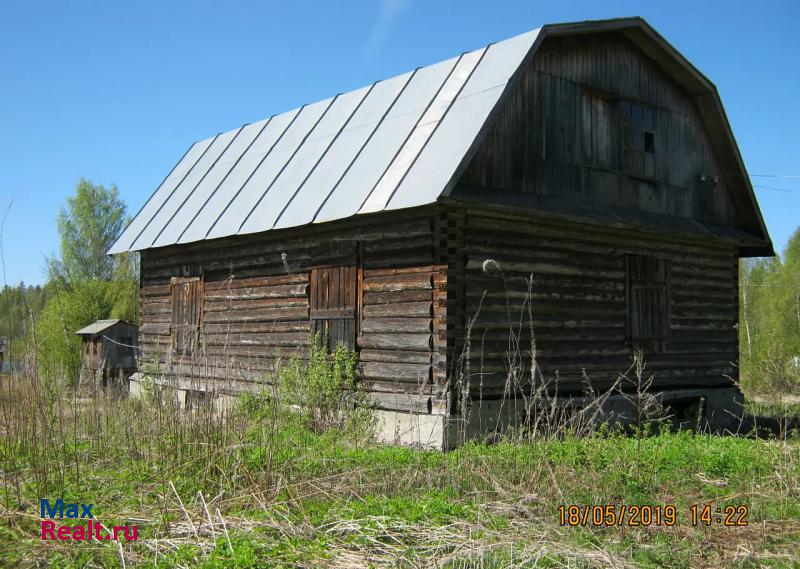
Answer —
(256, 306)
(578, 307)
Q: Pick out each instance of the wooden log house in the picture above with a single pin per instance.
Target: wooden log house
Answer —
(406, 218)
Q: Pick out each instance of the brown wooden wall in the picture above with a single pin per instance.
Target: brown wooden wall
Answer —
(560, 134)
(256, 310)
(580, 306)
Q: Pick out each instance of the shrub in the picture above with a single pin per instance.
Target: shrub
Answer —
(323, 388)
(58, 348)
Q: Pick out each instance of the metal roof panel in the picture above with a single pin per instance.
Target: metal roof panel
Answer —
(367, 169)
(184, 190)
(237, 211)
(209, 184)
(416, 141)
(161, 195)
(99, 326)
(388, 145)
(215, 207)
(428, 177)
(342, 153)
(302, 164)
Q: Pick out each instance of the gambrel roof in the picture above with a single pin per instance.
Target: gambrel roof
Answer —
(397, 143)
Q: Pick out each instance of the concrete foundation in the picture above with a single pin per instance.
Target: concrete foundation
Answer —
(184, 398)
(718, 410)
(708, 410)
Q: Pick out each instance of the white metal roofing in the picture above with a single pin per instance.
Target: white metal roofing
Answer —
(394, 144)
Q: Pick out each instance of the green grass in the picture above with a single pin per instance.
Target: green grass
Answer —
(293, 498)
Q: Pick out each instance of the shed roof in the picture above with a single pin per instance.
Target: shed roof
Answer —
(101, 326)
(397, 143)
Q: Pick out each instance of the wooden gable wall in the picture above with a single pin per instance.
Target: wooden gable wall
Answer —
(578, 288)
(560, 134)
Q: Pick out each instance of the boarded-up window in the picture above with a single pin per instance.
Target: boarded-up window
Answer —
(597, 137)
(637, 123)
(648, 302)
(187, 311)
(334, 304)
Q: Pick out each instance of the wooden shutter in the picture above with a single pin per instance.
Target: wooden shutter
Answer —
(637, 125)
(648, 302)
(334, 304)
(187, 310)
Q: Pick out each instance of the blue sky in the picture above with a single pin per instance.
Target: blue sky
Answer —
(116, 92)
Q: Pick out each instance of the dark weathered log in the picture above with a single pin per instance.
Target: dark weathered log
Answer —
(155, 291)
(223, 285)
(398, 310)
(392, 356)
(233, 305)
(547, 268)
(396, 325)
(399, 270)
(258, 315)
(228, 373)
(155, 328)
(152, 308)
(400, 402)
(257, 293)
(156, 300)
(412, 342)
(276, 339)
(404, 372)
(399, 282)
(397, 296)
(258, 327)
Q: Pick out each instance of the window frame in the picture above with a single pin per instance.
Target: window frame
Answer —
(648, 302)
(178, 329)
(637, 139)
(335, 294)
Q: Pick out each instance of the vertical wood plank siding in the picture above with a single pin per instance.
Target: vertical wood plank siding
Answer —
(559, 134)
(256, 309)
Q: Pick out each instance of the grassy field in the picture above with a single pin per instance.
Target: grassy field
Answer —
(255, 488)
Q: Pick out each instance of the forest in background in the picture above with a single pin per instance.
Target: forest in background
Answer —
(84, 285)
(769, 321)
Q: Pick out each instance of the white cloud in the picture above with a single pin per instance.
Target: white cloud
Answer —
(390, 11)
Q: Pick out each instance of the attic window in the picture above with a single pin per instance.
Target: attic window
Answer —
(637, 123)
(649, 142)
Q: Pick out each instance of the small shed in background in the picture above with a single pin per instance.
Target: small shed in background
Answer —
(3, 352)
(108, 351)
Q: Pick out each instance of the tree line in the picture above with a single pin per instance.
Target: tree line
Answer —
(83, 285)
(769, 321)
